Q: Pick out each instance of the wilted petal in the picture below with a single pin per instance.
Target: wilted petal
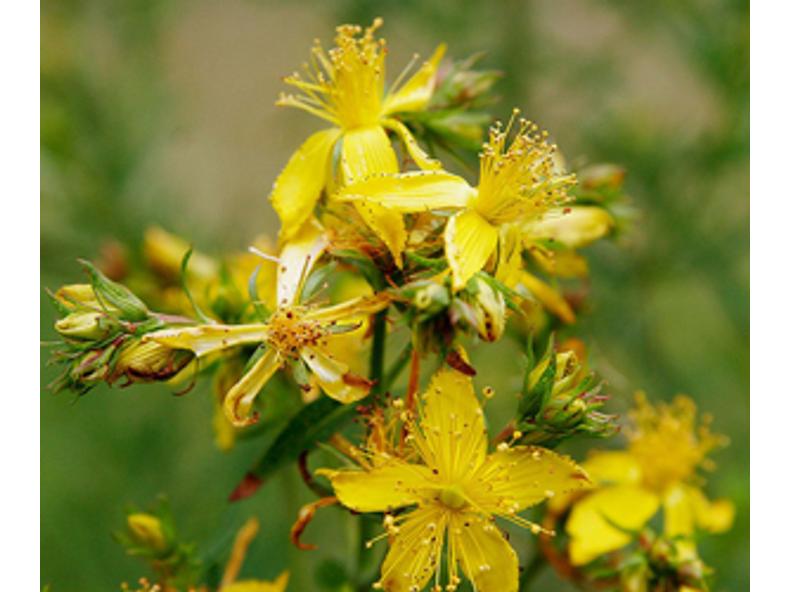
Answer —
(334, 377)
(240, 398)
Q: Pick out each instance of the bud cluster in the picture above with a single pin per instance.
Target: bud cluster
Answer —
(102, 325)
(560, 399)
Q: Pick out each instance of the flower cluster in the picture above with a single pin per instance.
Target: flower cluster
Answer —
(380, 246)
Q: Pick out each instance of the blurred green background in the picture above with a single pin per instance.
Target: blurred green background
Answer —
(162, 112)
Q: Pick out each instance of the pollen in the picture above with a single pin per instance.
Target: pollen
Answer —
(290, 332)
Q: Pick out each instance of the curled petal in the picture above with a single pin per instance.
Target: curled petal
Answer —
(548, 297)
(239, 400)
(334, 377)
(414, 150)
(306, 514)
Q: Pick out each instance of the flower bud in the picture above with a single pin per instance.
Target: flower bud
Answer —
(85, 325)
(146, 530)
(150, 361)
(491, 308)
(73, 295)
(560, 399)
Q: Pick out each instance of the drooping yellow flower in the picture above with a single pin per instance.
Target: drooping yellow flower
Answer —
(657, 471)
(345, 86)
(458, 487)
(294, 332)
(519, 182)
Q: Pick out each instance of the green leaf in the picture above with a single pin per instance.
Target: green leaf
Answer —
(184, 264)
(314, 423)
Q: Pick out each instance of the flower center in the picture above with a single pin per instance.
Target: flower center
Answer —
(289, 332)
(453, 497)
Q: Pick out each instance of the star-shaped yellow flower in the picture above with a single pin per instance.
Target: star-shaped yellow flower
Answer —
(657, 470)
(519, 182)
(345, 86)
(294, 332)
(458, 487)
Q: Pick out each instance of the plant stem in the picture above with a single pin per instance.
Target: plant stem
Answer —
(377, 351)
(533, 569)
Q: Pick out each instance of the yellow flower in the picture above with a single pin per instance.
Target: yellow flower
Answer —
(345, 86)
(658, 470)
(519, 182)
(294, 332)
(457, 487)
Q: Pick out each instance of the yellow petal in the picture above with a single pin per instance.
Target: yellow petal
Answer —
(591, 522)
(613, 467)
(278, 585)
(410, 192)
(417, 91)
(522, 476)
(296, 260)
(452, 436)
(334, 376)
(486, 557)
(388, 226)
(678, 512)
(510, 263)
(299, 185)
(418, 155)
(346, 311)
(367, 151)
(549, 297)
(239, 400)
(206, 339)
(686, 507)
(469, 242)
(713, 516)
(382, 489)
(415, 551)
(574, 227)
